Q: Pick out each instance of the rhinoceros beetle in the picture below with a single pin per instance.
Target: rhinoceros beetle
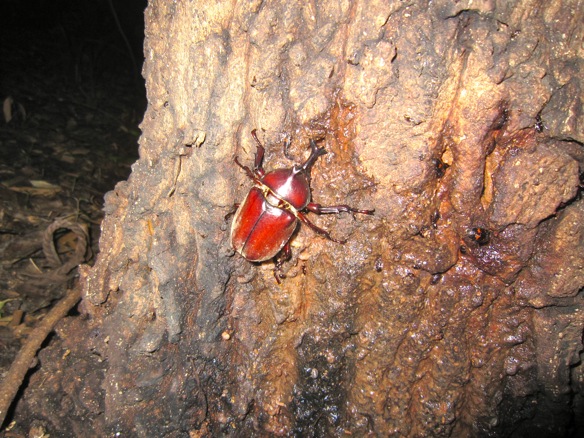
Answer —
(264, 223)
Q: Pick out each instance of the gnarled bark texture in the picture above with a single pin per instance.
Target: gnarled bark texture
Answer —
(456, 310)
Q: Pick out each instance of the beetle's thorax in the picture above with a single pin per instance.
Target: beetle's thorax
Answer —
(288, 185)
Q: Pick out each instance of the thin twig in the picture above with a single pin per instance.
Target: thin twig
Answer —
(17, 372)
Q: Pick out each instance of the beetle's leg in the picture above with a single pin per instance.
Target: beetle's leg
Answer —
(258, 162)
(316, 229)
(232, 211)
(319, 209)
(316, 152)
(283, 256)
(259, 156)
(287, 144)
(343, 208)
(248, 171)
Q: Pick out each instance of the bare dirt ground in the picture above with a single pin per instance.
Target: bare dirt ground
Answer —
(72, 100)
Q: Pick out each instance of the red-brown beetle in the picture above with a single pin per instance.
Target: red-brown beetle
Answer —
(265, 221)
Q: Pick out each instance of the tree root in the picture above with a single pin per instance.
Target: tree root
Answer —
(17, 372)
(11, 383)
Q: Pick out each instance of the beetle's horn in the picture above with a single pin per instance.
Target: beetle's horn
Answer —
(316, 152)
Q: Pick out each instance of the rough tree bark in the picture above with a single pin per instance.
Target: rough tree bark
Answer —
(456, 310)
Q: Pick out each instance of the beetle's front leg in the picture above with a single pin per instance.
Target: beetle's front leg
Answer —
(319, 209)
(283, 256)
(259, 156)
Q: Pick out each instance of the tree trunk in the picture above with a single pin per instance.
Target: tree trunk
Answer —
(455, 310)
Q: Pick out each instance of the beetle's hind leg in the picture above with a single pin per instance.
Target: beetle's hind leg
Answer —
(283, 256)
(232, 211)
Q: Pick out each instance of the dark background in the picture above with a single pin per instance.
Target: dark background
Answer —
(62, 36)
(71, 101)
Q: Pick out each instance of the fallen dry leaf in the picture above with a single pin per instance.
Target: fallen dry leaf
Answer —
(38, 188)
(7, 109)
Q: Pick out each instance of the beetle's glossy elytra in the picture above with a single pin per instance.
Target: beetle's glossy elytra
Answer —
(265, 221)
(260, 230)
